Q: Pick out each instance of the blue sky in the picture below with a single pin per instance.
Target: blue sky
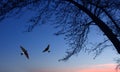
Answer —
(12, 35)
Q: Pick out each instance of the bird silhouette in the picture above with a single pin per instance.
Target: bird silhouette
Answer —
(47, 49)
(24, 51)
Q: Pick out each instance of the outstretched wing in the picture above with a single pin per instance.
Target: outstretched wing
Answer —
(24, 52)
(46, 49)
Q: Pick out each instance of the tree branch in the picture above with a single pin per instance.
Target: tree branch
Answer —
(108, 32)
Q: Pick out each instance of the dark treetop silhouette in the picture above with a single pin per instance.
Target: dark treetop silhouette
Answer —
(24, 52)
(74, 17)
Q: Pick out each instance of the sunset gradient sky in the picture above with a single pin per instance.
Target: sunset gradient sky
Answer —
(92, 68)
(12, 35)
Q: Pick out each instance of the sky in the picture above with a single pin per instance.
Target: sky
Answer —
(12, 35)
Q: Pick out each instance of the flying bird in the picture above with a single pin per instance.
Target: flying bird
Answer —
(24, 51)
(47, 49)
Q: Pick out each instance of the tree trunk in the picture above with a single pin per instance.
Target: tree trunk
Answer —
(108, 32)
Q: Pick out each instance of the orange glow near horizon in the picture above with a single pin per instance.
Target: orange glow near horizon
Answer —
(93, 68)
(97, 70)
(100, 68)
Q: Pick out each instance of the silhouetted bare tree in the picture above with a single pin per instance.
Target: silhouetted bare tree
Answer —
(74, 17)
